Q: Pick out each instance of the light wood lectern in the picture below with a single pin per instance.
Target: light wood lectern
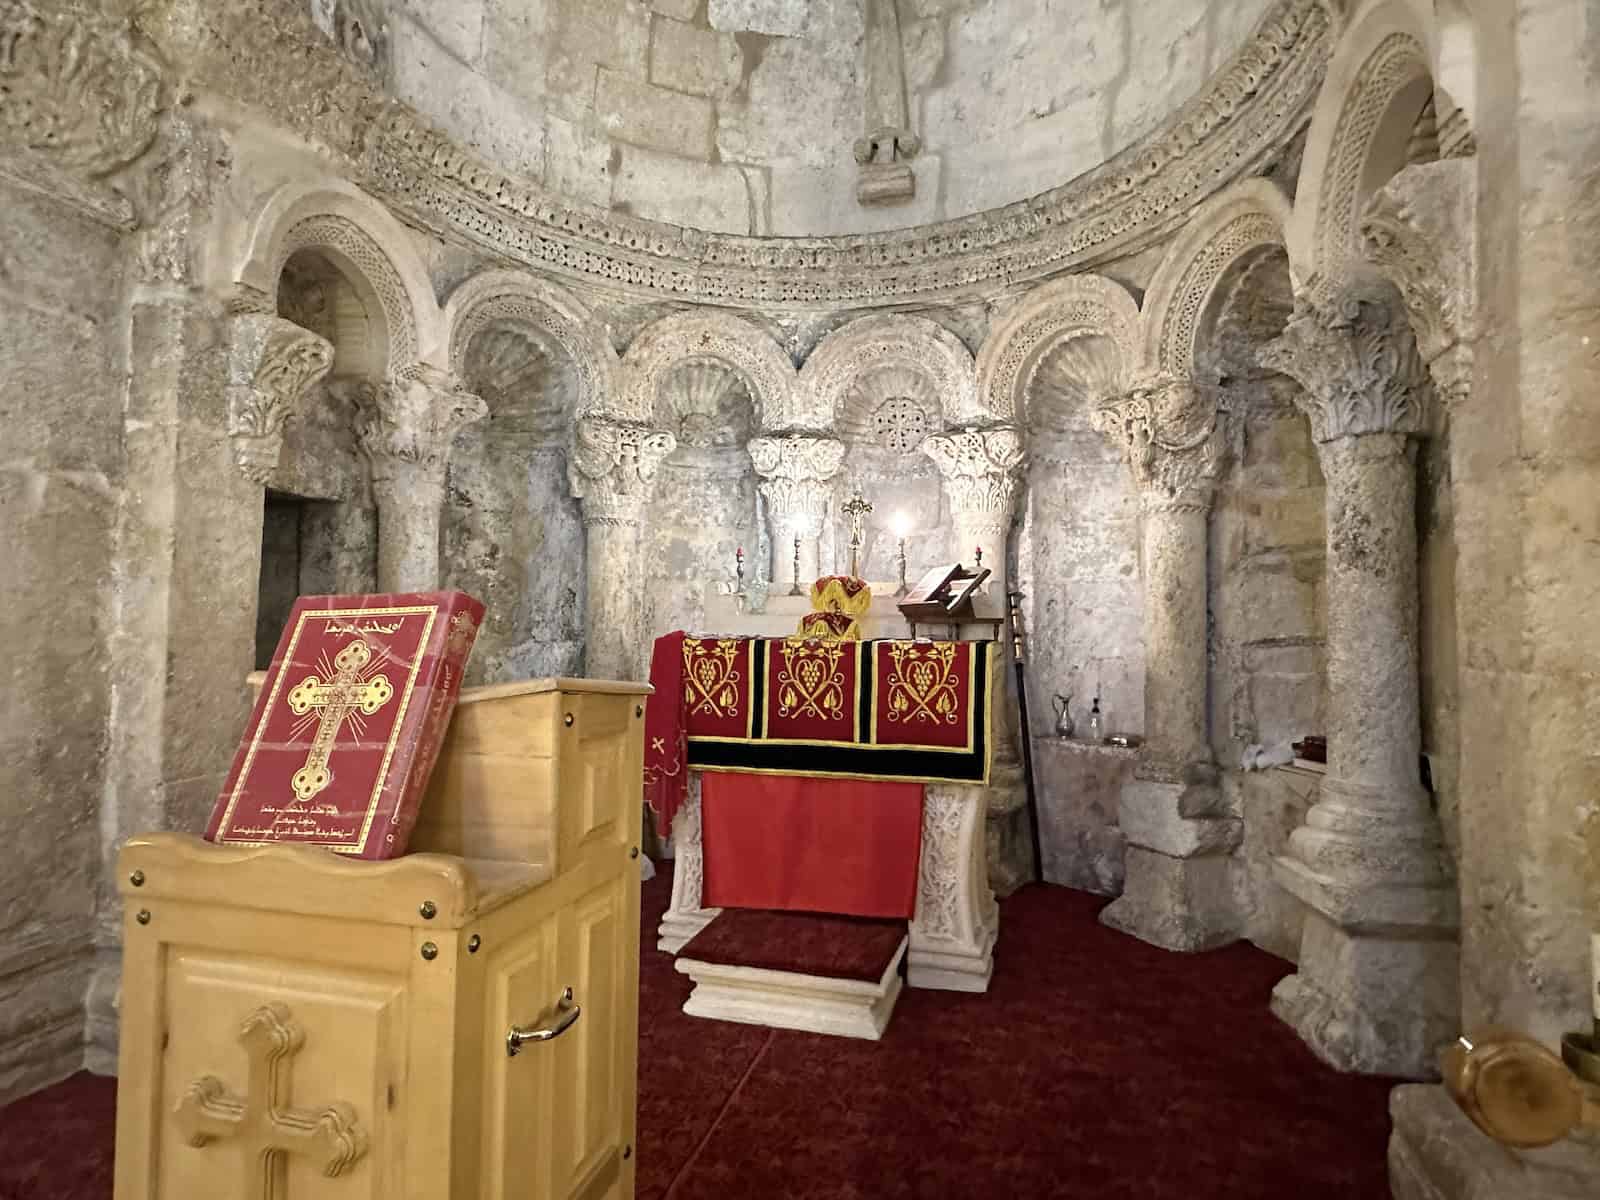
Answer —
(456, 1024)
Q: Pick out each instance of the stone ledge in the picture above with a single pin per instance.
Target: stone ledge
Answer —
(1436, 1153)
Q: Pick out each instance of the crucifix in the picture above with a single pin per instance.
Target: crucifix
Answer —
(856, 508)
(261, 1119)
(335, 702)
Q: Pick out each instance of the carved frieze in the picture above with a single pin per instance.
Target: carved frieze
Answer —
(1357, 362)
(982, 471)
(1239, 121)
(408, 424)
(272, 364)
(1172, 438)
(78, 101)
(612, 468)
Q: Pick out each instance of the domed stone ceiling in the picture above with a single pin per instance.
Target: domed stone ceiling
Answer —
(743, 116)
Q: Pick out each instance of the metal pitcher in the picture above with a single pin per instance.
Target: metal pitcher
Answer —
(1064, 723)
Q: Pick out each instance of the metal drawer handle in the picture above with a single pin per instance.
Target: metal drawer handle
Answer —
(568, 1014)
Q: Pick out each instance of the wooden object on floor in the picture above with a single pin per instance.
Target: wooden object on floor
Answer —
(301, 1026)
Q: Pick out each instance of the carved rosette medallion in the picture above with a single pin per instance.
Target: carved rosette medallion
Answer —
(612, 468)
(1357, 362)
(1172, 439)
(406, 427)
(795, 472)
(982, 473)
(272, 364)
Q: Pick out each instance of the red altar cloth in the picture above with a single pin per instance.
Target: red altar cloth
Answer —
(815, 845)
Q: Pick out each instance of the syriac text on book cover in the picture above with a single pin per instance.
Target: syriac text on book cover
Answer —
(349, 723)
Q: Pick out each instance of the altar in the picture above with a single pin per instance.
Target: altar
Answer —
(953, 926)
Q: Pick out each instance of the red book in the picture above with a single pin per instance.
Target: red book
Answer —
(349, 722)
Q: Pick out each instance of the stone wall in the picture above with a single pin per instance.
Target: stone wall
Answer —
(740, 115)
(60, 485)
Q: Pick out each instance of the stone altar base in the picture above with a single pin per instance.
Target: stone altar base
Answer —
(790, 1000)
(1436, 1153)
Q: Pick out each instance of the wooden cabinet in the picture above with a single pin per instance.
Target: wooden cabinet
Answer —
(300, 1026)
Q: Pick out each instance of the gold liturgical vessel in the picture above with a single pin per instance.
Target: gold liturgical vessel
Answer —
(1519, 1093)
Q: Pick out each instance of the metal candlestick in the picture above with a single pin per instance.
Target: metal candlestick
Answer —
(738, 569)
(904, 586)
(795, 590)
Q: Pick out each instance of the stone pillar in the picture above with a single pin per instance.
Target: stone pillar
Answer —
(982, 470)
(795, 472)
(1376, 990)
(612, 470)
(1179, 884)
(406, 427)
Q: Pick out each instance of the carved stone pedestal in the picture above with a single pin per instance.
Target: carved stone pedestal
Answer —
(1006, 839)
(1436, 1153)
(1178, 885)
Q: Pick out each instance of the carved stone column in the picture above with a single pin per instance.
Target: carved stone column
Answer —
(795, 475)
(982, 470)
(1179, 888)
(612, 470)
(406, 428)
(1376, 990)
(272, 364)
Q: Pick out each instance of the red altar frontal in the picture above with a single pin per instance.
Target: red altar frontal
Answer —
(810, 759)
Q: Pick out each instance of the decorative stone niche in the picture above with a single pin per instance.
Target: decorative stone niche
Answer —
(705, 501)
(512, 534)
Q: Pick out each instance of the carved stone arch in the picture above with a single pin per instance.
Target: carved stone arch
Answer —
(556, 320)
(360, 236)
(877, 359)
(732, 342)
(1378, 83)
(1079, 306)
(1242, 221)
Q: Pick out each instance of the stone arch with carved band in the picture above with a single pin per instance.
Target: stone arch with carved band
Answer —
(1379, 83)
(366, 243)
(550, 313)
(1079, 306)
(721, 338)
(1241, 222)
(891, 356)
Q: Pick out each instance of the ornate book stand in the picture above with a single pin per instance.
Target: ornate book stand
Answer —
(301, 1026)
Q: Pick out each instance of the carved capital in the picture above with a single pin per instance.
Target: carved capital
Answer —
(794, 480)
(407, 425)
(1357, 362)
(1420, 231)
(982, 470)
(272, 364)
(612, 468)
(1172, 438)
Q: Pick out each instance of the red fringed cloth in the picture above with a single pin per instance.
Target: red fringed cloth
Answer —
(845, 846)
(666, 776)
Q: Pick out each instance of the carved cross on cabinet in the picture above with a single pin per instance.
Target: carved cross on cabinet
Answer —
(262, 1120)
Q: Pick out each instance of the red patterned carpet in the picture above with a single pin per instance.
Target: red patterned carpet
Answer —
(1096, 1068)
